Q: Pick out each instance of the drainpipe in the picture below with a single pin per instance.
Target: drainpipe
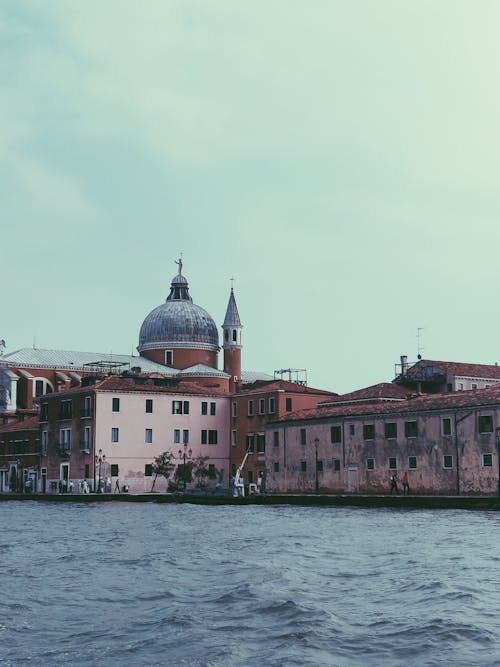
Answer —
(457, 421)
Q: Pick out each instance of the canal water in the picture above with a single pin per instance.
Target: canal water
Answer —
(149, 584)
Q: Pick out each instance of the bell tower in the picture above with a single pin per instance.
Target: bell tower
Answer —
(231, 332)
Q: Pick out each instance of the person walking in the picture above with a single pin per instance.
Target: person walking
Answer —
(394, 483)
(406, 484)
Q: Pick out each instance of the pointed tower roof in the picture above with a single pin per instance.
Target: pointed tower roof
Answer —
(232, 318)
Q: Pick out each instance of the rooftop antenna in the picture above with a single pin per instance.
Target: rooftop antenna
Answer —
(420, 347)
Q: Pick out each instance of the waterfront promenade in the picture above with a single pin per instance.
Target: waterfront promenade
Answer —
(301, 500)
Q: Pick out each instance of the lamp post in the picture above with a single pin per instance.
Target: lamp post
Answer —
(497, 431)
(316, 443)
(99, 459)
(184, 454)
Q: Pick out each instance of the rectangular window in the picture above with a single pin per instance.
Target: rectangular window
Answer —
(114, 470)
(276, 439)
(148, 470)
(115, 405)
(303, 436)
(412, 462)
(87, 471)
(460, 386)
(487, 460)
(212, 437)
(204, 408)
(87, 438)
(180, 407)
(233, 438)
(411, 429)
(250, 408)
(390, 430)
(369, 431)
(336, 434)
(149, 405)
(303, 466)
(204, 437)
(148, 435)
(446, 426)
(185, 436)
(336, 465)
(473, 385)
(261, 443)
(169, 357)
(392, 463)
(447, 461)
(177, 436)
(38, 387)
(262, 406)
(370, 464)
(44, 412)
(66, 410)
(234, 409)
(213, 408)
(250, 442)
(87, 406)
(272, 406)
(288, 404)
(486, 424)
(115, 434)
(45, 442)
(319, 465)
(65, 439)
(276, 466)
(212, 473)
(351, 429)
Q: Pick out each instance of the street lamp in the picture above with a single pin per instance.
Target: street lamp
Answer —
(316, 443)
(184, 454)
(497, 431)
(99, 459)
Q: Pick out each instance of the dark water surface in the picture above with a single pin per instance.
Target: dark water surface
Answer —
(161, 584)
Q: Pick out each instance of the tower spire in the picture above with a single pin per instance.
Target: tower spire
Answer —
(231, 330)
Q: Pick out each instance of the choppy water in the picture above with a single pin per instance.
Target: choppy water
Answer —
(150, 584)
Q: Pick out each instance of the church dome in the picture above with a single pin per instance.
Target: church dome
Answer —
(178, 323)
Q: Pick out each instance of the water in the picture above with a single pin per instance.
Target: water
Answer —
(183, 585)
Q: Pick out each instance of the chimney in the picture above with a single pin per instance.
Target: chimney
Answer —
(404, 364)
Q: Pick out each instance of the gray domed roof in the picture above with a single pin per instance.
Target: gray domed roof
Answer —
(178, 322)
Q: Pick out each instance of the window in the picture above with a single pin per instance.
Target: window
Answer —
(250, 442)
(65, 439)
(87, 406)
(115, 405)
(185, 436)
(473, 385)
(87, 438)
(336, 434)
(45, 443)
(276, 466)
(149, 405)
(39, 387)
(276, 439)
(411, 429)
(303, 466)
(250, 408)
(180, 407)
(213, 408)
(148, 470)
(446, 426)
(391, 430)
(486, 424)
(272, 406)
(233, 438)
(114, 470)
(447, 461)
(261, 443)
(87, 470)
(487, 460)
(319, 465)
(369, 431)
(370, 464)
(336, 465)
(234, 409)
(115, 434)
(288, 404)
(303, 436)
(148, 435)
(44, 412)
(351, 429)
(169, 357)
(204, 408)
(412, 462)
(262, 406)
(460, 386)
(66, 410)
(392, 463)
(209, 437)
(177, 436)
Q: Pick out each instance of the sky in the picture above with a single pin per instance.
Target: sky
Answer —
(339, 160)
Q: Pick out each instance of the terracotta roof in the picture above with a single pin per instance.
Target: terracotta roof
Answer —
(28, 424)
(426, 402)
(458, 368)
(384, 391)
(282, 385)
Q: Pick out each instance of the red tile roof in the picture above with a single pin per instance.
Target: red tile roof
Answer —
(261, 386)
(384, 391)
(459, 368)
(28, 424)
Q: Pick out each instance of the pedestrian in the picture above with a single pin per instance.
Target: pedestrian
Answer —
(85, 486)
(71, 486)
(406, 484)
(394, 482)
(117, 485)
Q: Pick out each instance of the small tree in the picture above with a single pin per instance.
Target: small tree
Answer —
(200, 470)
(163, 466)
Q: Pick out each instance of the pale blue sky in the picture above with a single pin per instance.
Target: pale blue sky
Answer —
(339, 159)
